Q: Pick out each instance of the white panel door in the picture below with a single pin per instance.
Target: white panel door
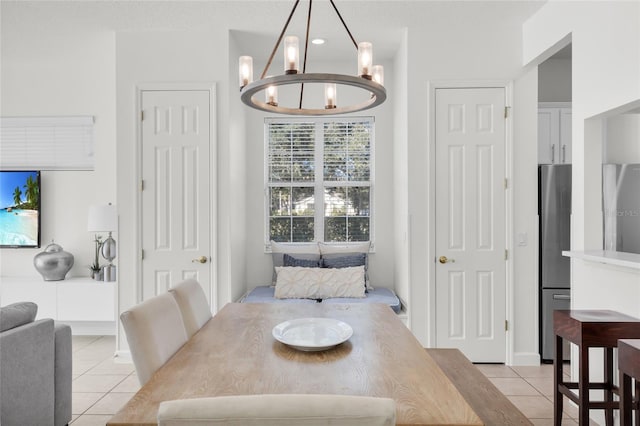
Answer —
(470, 222)
(176, 229)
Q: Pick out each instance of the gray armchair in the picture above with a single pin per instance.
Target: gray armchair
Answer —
(35, 372)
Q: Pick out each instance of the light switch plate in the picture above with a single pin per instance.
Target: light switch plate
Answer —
(522, 239)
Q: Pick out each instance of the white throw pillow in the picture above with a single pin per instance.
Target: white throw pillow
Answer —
(308, 251)
(319, 283)
(334, 250)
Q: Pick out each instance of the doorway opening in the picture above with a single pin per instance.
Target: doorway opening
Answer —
(554, 193)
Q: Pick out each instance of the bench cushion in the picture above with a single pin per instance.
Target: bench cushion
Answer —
(376, 295)
(266, 294)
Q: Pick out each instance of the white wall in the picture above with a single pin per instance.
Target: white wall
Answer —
(622, 139)
(49, 70)
(554, 80)
(402, 223)
(525, 217)
(238, 184)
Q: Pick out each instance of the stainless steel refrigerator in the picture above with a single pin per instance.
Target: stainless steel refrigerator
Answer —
(621, 207)
(554, 214)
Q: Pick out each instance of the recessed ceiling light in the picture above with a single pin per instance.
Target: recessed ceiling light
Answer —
(317, 41)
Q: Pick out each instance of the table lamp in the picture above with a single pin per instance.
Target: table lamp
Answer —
(104, 218)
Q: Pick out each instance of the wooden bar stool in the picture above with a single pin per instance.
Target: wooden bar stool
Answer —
(629, 367)
(589, 329)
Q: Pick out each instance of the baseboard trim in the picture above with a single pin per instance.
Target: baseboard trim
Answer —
(526, 358)
(123, 357)
(91, 328)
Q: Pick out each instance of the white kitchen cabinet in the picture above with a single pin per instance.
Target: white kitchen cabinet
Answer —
(554, 133)
(88, 306)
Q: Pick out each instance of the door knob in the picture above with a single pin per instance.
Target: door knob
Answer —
(201, 259)
(444, 259)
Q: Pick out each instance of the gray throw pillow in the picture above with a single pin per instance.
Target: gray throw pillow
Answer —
(345, 261)
(17, 314)
(288, 260)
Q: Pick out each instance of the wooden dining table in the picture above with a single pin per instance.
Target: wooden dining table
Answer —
(235, 353)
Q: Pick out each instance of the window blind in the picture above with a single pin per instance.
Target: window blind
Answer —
(318, 179)
(47, 143)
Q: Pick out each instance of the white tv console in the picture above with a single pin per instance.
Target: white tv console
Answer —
(88, 306)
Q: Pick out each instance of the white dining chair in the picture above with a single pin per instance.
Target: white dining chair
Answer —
(193, 305)
(279, 410)
(155, 331)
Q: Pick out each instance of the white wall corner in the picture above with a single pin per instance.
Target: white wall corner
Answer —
(122, 357)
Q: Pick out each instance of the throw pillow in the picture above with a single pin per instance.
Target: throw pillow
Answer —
(358, 259)
(308, 251)
(319, 283)
(288, 260)
(333, 250)
(17, 314)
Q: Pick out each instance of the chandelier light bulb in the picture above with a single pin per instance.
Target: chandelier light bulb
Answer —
(330, 95)
(245, 68)
(378, 74)
(291, 55)
(271, 95)
(365, 59)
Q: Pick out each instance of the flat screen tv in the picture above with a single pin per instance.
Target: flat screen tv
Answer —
(19, 209)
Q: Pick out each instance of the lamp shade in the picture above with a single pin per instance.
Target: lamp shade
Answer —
(102, 218)
(378, 74)
(330, 95)
(365, 59)
(245, 70)
(271, 95)
(291, 55)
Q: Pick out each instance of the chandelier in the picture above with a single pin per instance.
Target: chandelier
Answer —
(370, 78)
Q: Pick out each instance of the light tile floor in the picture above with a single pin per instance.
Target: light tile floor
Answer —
(101, 386)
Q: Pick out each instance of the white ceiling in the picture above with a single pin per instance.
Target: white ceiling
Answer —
(256, 24)
(324, 24)
(381, 22)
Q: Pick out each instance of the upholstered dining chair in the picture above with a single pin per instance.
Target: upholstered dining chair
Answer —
(155, 331)
(193, 305)
(279, 410)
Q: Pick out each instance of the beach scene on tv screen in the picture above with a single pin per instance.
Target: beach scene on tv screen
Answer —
(19, 208)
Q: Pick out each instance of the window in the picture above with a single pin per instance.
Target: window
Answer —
(319, 175)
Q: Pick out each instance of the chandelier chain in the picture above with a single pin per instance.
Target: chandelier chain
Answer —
(275, 48)
(306, 48)
(344, 23)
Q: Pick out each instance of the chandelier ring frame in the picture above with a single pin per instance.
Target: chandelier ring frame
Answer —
(378, 92)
